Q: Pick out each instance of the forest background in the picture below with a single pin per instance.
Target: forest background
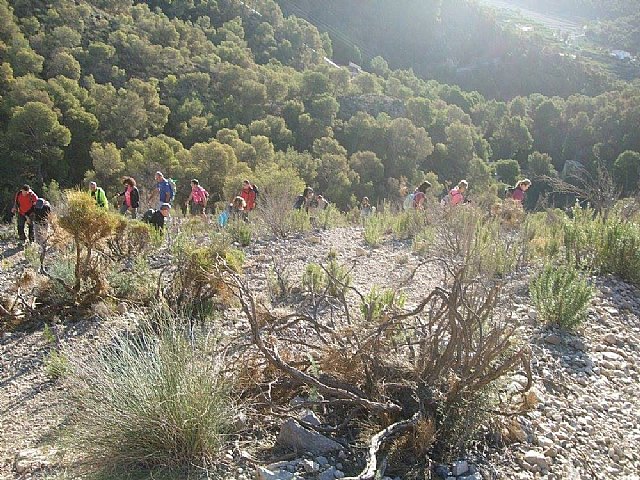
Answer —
(223, 90)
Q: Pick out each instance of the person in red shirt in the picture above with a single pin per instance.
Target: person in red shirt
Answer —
(24, 202)
(518, 193)
(249, 194)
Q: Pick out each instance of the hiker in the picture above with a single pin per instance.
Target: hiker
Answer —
(131, 200)
(456, 194)
(164, 189)
(24, 201)
(518, 192)
(304, 200)
(97, 193)
(237, 209)
(38, 216)
(157, 217)
(419, 195)
(314, 204)
(366, 209)
(250, 195)
(198, 198)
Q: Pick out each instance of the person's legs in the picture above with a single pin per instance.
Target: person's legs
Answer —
(123, 209)
(41, 233)
(21, 222)
(134, 213)
(31, 237)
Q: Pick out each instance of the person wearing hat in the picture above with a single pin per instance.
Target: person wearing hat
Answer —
(157, 217)
(38, 216)
(97, 193)
(24, 201)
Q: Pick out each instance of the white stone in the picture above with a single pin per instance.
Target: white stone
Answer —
(533, 457)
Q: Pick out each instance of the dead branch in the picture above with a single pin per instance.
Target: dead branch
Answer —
(248, 304)
(376, 443)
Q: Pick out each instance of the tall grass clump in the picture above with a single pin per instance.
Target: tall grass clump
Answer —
(542, 235)
(374, 229)
(561, 295)
(603, 244)
(156, 399)
(240, 232)
(620, 250)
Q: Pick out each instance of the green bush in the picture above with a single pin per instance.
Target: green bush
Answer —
(56, 365)
(619, 251)
(561, 295)
(314, 279)
(407, 225)
(154, 399)
(240, 232)
(542, 235)
(338, 279)
(134, 283)
(374, 229)
(603, 244)
(377, 301)
(132, 238)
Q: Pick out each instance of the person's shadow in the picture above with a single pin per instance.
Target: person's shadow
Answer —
(10, 252)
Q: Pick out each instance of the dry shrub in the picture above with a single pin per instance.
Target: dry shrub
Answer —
(426, 373)
(89, 226)
(132, 238)
(197, 283)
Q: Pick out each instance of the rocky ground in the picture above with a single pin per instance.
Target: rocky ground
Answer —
(585, 425)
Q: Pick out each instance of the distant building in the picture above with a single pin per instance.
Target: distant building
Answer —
(621, 54)
(354, 69)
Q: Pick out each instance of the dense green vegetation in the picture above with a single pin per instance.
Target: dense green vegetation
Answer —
(222, 90)
(455, 42)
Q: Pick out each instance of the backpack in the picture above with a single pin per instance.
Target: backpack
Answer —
(299, 202)
(146, 216)
(223, 218)
(408, 201)
(255, 190)
(508, 192)
(172, 184)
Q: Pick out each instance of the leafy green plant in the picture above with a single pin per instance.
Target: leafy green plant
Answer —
(331, 217)
(154, 399)
(377, 301)
(133, 283)
(56, 364)
(373, 231)
(407, 225)
(314, 279)
(561, 295)
(48, 335)
(240, 232)
(132, 238)
(338, 279)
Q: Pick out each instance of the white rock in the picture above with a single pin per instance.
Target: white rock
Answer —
(533, 457)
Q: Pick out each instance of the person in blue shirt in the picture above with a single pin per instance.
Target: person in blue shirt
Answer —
(165, 190)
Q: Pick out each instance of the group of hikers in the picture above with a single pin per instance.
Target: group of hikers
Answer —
(457, 195)
(33, 211)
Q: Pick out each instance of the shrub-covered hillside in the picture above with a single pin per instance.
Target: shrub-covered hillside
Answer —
(222, 90)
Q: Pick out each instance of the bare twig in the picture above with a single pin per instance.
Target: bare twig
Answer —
(376, 443)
